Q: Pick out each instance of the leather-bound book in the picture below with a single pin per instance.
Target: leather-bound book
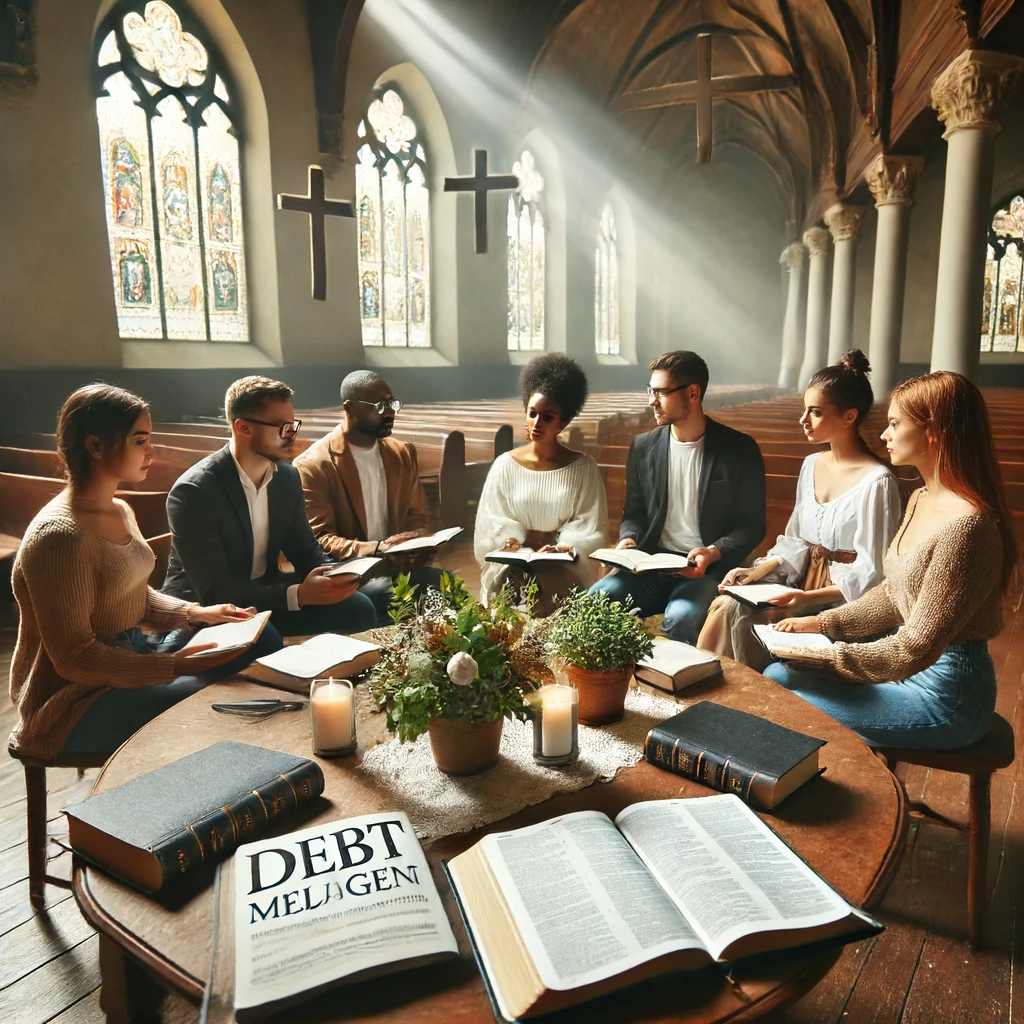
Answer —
(196, 810)
(734, 752)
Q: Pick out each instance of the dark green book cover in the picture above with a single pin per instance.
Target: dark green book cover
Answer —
(734, 752)
(195, 810)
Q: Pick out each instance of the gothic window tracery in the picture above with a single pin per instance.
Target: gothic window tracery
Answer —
(1001, 326)
(171, 177)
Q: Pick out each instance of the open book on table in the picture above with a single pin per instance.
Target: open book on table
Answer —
(527, 556)
(230, 636)
(572, 908)
(338, 902)
(433, 540)
(636, 561)
(327, 654)
(812, 646)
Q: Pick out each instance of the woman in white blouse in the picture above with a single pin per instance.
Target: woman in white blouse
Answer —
(847, 511)
(543, 496)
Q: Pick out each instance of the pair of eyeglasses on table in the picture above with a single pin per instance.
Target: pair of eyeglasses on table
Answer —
(260, 708)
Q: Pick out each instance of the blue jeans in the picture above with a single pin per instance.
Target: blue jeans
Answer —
(949, 704)
(353, 615)
(122, 711)
(685, 602)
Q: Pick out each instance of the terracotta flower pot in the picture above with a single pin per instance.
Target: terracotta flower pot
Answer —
(602, 692)
(464, 748)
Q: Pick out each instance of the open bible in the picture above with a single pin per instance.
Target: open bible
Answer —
(527, 556)
(572, 908)
(636, 561)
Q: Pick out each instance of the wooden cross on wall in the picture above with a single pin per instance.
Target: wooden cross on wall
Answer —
(319, 208)
(480, 184)
(703, 92)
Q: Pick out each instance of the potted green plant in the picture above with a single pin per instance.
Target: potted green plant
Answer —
(599, 642)
(456, 669)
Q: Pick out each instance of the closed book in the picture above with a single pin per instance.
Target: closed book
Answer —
(673, 665)
(196, 810)
(320, 657)
(734, 752)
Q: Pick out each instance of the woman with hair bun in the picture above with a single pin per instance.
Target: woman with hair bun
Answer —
(84, 675)
(910, 665)
(543, 496)
(846, 513)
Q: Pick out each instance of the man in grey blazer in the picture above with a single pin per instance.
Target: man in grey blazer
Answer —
(693, 486)
(233, 512)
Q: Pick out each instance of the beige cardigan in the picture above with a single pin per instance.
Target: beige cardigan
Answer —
(943, 591)
(75, 592)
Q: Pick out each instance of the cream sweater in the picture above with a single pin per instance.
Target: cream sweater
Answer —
(943, 591)
(75, 592)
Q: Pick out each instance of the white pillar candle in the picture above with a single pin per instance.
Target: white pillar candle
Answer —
(556, 720)
(332, 708)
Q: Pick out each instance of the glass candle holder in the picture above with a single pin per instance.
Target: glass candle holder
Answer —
(556, 725)
(332, 708)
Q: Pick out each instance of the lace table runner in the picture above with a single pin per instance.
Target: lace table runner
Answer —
(441, 805)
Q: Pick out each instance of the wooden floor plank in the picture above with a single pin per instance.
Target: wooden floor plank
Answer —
(15, 908)
(40, 940)
(85, 1011)
(53, 988)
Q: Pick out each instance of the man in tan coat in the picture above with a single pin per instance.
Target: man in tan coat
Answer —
(362, 487)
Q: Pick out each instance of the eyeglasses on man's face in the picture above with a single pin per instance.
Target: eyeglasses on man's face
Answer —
(286, 430)
(660, 393)
(394, 404)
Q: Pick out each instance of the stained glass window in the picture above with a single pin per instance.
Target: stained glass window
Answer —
(393, 206)
(526, 258)
(1001, 325)
(171, 180)
(606, 286)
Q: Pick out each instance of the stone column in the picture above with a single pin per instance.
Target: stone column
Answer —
(967, 96)
(892, 180)
(816, 331)
(793, 258)
(844, 223)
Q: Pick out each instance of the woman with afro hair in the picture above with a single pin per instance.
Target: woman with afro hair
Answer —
(543, 496)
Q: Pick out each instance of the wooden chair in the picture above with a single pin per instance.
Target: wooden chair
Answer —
(978, 762)
(35, 807)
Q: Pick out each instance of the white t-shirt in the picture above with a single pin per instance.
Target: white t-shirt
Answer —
(681, 531)
(375, 489)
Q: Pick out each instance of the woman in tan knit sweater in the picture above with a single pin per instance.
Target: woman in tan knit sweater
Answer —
(910, 665)
(84, 676)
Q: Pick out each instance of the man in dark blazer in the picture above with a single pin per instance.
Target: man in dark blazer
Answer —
(693, 486)
(233, 512)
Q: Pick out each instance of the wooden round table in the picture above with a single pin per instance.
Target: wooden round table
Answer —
(849, 825)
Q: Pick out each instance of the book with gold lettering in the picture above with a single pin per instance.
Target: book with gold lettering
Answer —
(196, 810)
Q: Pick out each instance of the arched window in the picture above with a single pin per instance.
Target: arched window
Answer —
(606, 286)
(526, 258)
(171, 181)
(1001, 325)
(393, 207)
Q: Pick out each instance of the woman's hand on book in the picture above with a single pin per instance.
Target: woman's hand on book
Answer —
(214, 614)
(552, 548)
(734, 577)
(512, 544)
(792, 601)
(202, 658)
(804, 624)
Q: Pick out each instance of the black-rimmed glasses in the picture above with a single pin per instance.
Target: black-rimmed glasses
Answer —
(286, 430)
(662, 392)
(394, 404)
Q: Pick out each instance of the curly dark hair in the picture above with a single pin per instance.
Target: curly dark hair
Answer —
(845, 384)
(558, 378)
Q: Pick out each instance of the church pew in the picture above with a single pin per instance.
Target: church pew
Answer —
(30, 462)
(21, 497)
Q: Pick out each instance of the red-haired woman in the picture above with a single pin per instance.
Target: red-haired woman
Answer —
(910, 665)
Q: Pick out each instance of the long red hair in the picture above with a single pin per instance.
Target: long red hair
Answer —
(953, 410)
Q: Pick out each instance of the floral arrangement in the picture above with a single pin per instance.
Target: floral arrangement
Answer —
(448, 656)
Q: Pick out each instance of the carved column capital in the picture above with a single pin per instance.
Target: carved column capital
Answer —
(793, 256)
(816, 240)
(971, 91)
(894, 179)
(844, 221)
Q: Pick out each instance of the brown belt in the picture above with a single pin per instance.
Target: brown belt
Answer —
(839, 555)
